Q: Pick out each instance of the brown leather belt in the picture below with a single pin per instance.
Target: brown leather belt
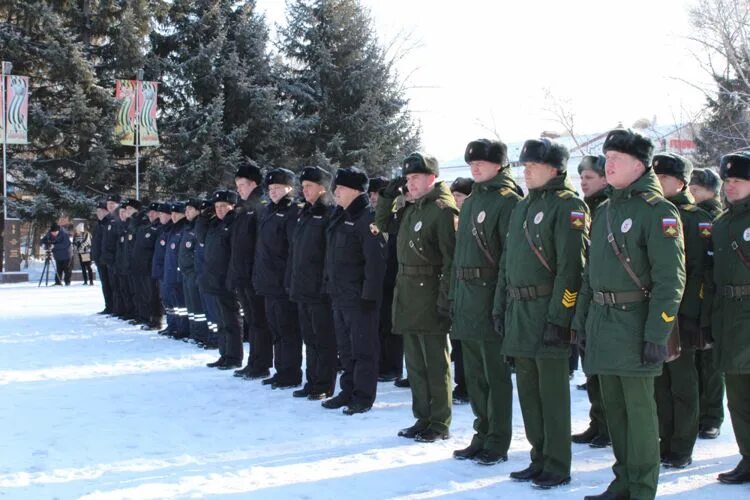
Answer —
(418, 270)
(475, 273)
(614, 298)
(525, 293)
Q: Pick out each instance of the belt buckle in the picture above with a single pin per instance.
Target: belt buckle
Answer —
(515, 293)
(599, 298)
(531, 292)
(728, 291)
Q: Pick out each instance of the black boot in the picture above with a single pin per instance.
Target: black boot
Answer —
(709, 432)
(489, 457)
(467, 453)
(678, 462)
(586, 436)
(230, 364)
(600, 441)
(607, 495)
(256, 374)
(354, 408)
(402, 383)
(548, 480)
(431, 435)
(739, 475)
(528, 474)
(335, 402)
(216, 363)
(411, 432)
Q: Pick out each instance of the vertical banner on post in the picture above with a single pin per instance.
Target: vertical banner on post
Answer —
(125, 124)
(17, 99)
(149, 135)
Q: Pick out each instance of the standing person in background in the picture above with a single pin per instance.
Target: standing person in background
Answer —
(82, 241)
(109, 234)
(705, 186)
(57, 241)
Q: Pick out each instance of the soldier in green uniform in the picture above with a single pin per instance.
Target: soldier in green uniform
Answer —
(593, 185)
(480, 240)
(541, 274)
(731, 307)
(628, 304)
(425, 246)
(705, 186)
(676, 389)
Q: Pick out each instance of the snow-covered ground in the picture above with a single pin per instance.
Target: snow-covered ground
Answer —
(93, 408)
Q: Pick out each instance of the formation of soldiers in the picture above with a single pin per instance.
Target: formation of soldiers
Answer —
(645, 274)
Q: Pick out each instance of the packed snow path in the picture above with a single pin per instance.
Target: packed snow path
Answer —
(93, 408)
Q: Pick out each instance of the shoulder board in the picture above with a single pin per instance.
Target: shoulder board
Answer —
(651, 198)
(264, 202)
(506, 192)
(300, 205)
(689, 208)
(564, 194)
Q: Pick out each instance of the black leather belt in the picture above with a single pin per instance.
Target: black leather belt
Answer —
(614, 298)
(734, 291)
(418, 270)
(475, 273)
(530, 292)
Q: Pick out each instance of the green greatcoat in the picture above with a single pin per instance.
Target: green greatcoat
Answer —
(646, 228)
(731, 314)
(676, 389)
(557, 222)
(480, 240)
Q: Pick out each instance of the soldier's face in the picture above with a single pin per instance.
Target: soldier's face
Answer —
(482, 171)
(700, 193)
(191, 213)
(591, 182)
(278, 191)
(419, 184)
(222, 208)
(152, 215)
(460, 198)
(123, 215)
(164, 217)
(177, 216)
(537, 175)
(670, 185)
(622, 169)
(345, 195)
(101, 213)
(245, 187)
(736, 189)
(312, 191)
(374, 196)
(129, 211)
(112, 205)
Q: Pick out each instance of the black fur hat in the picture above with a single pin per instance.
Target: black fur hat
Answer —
(376, 184)
(179, 207)
(463, 185)
(249, 170)
(154, 206)
(316, 175)
(593, 163)
(352, 177)
(418, 163)
(114, 197)
(630, 142)
(224, 195)
(280, 176)
(195, 203)
(735, 164)
(674, 165)
(707, 178)
(130, 203)
(101, 205)
(545, 151)
(165, 208)
(486, 150)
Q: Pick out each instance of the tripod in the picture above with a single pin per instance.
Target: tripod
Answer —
(46, 269)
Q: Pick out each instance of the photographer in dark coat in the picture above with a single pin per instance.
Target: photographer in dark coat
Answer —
(275, 231)
(305, 284)
(213, 280)
(354, 271)
(57, 241)
(244, 237)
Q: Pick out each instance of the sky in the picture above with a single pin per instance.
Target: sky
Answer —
(484, 68)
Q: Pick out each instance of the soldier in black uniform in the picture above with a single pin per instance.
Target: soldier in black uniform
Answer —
(147, 305)
(128, 209)
(244, 236)
(198, 331)
(354, 271)
(157, 261)
(210, 318)
(96, 254)
(275, 230)
(136, 263)
(213, 280)
(109, 235)
(174, 298)
(305, 284)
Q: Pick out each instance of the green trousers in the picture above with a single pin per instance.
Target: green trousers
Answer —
(634, 429)
(428, 364)
(711, 388)
(677, 405)
(490, 394)
(544, 394)
(738, 401)
(596, 413)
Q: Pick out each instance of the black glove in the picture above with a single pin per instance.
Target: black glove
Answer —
(498, 322)
(556, 336)
(653, 353)
(393, 188)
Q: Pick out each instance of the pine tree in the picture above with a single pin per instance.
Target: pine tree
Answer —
(346, 100)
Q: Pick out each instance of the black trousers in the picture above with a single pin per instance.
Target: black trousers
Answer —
(287, 341)
(144, 295)
(316, 323)
(197, 323)
(64, 271)
(86, 271)
(114, 282)
(358, 346)
(260, 356)
(229, 330)
(177, 313)
(106, 286)
(457, 356)
(391, 345)
(126, 295)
